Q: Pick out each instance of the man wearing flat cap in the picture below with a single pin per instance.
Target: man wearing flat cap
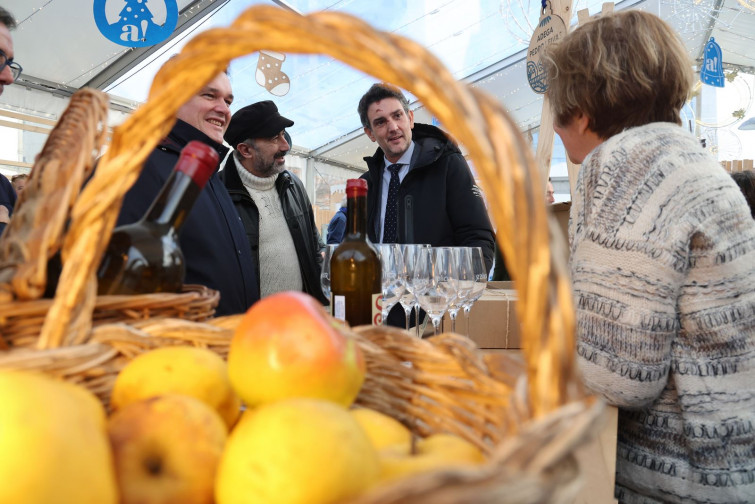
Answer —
(272, 202)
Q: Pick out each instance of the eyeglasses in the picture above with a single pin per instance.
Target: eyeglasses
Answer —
(15, 68)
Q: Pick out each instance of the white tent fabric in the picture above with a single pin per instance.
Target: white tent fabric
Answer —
(481, 41)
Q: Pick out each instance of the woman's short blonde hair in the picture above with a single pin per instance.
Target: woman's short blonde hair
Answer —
(621, 70)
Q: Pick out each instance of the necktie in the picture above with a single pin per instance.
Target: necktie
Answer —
(390, 225)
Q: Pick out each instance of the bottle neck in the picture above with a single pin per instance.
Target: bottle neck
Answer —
(172, 205)
(356, 216)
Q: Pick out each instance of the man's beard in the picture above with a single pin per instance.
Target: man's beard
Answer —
(272, 168)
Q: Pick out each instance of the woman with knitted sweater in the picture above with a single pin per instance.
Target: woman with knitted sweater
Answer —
(662, 263)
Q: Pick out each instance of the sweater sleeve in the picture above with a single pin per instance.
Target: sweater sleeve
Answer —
(626, 277)
(625, 325)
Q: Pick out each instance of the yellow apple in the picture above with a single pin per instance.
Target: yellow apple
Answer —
(53, 443)
(296, 451)
(197, 372)
(285, 346)
(437, 451)
(166, 450)
(383, 430)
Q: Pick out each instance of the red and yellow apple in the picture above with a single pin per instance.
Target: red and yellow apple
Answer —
(166, 450)
(286, 346)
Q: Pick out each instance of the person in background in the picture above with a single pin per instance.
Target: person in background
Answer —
(19, 182)
(663, 278)
(337, 225)
(549, 193)
(272, 202)
(419, 186)
(212, 239)
(746, 182)
(9, 72)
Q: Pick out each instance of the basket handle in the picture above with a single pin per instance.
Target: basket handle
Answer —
(499, 153)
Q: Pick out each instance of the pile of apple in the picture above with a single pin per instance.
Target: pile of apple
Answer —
(179, 433)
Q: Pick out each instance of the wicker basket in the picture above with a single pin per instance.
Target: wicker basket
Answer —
(37, 231)
(529, 418)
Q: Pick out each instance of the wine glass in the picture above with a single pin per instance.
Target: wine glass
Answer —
(466, 279)
(436, 282)
(412, 281)
(325, 272)
(409, 253)
(480, 281)
(392, 266)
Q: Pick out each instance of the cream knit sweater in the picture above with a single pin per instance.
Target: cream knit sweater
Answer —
(278, 263)
(663, 265)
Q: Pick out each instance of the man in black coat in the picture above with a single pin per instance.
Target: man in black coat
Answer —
(422, 173)
(212, 239)
(272, 202)
(9, 72)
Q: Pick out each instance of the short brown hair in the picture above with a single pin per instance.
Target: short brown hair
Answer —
(376, 93)
(621, 70)
(7, 19)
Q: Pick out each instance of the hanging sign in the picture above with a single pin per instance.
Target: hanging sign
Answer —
(269, 74)
(550, 30)
(712, 71)
(133, 23)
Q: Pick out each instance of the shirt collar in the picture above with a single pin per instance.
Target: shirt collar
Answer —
(405, 159)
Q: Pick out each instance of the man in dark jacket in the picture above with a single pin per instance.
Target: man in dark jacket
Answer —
(212, 239)
(272, 202)
(419, 187)
(9, 72)
(337, 226)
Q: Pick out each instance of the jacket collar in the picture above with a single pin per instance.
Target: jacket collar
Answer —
(183, 133)
(430, 142)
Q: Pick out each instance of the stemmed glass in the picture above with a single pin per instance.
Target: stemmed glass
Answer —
(409, 253)
(325, 271)
(480, 281)
(466, 279)
(436, 282)
(392, 266)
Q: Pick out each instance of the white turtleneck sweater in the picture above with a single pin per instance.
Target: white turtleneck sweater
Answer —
(278, 262)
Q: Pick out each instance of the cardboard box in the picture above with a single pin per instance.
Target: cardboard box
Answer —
(492, 319)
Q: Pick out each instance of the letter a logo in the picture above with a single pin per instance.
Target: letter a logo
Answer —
(136, 23)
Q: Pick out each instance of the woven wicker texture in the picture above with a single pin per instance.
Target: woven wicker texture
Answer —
(21, 321)
(506, 168)
(36, 231)
(528, 417)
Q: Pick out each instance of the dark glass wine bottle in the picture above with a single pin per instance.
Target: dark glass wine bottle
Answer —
(356, 278)
(145, 256)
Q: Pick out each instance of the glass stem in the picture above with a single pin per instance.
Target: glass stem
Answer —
(466, 316)
(416, 313)
(453, 321)
(408, 313)
(436, 325)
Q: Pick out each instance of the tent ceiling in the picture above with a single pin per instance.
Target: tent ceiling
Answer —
(480, 41)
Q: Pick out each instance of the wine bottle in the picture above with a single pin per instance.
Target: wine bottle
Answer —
(356, 279)
(145, 256)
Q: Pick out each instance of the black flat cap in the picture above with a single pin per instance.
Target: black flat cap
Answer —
(258, 120)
